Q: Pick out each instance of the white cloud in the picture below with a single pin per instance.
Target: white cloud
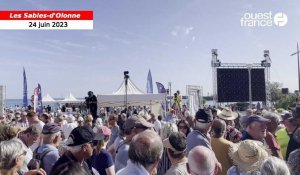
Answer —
(65, 43)
(182, 31)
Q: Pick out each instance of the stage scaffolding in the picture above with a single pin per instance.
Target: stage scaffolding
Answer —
(265, 64)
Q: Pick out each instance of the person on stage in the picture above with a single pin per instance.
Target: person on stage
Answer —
(91, 103)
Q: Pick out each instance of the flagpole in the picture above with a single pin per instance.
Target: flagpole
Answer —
(25, 100)
(298, 67)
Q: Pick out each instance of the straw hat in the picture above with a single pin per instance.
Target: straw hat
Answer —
(227, 114)
(248, 155)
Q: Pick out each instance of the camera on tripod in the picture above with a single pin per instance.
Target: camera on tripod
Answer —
(126, 76)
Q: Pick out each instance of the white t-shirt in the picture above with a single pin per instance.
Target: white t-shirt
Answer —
(67, 128)
(27, 159)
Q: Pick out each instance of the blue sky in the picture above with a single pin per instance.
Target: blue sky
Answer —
(172, 38)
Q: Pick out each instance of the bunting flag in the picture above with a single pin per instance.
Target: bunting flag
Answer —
(25, 100)
(160, 88)
(149, 83)
(40, 104)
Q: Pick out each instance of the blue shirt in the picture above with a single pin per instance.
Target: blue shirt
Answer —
(101, 161)
(133, 169)
(50, 158)
(196, 138)
(121, 156)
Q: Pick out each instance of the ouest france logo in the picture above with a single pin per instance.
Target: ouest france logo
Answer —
(266, 19)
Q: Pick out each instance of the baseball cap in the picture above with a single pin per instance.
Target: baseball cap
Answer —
(204, 116)
(176, 142)
(286, 116)
(80, 135)
(102, 132)
(136, 121)
(51, 128)
(256, 118)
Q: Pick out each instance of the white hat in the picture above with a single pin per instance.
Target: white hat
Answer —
(227, 114)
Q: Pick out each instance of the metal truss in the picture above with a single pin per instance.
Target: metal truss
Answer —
(266, 64)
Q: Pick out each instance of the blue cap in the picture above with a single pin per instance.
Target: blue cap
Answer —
(51, 128)
(256, 118)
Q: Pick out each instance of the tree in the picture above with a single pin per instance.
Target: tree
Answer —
(280, 100)
(286, 101)
(275, 90)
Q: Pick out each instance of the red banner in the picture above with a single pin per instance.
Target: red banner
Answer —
(46, 15)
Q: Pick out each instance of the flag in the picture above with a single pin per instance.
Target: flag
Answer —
(35, 99)
(149, 83)
(25, 100)
(40, 104)
(160, 88)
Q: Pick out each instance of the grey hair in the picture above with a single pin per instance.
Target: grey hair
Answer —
(202, 126)
(274, 165)
(9, 150)
(49, 138)
(272, 116)
(167, 129)
(146, 148)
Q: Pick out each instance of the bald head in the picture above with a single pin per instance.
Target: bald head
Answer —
(146, 148)
(202, 160)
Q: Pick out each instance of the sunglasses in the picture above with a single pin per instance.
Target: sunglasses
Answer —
(182, 127)
(23, 154)
(141, 127)
(93, 143)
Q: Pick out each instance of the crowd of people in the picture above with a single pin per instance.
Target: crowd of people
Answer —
(135, 141)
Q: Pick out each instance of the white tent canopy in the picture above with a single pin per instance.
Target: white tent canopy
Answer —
(131, 88)
(70, 99)
(47, 99)
(135, 97)
(132, 100)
